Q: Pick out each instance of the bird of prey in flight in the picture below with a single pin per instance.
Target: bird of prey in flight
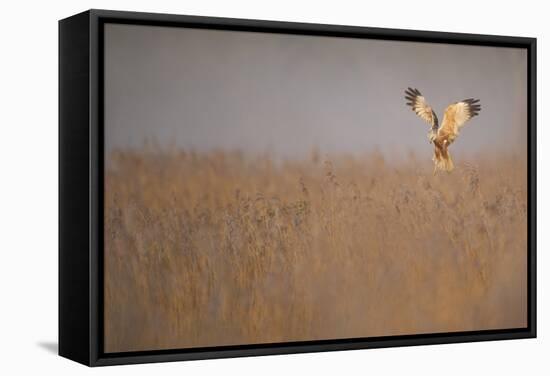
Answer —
(454, 118)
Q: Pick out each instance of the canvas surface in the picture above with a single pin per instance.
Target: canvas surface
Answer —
(265, 188)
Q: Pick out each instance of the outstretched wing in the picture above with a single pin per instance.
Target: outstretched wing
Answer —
(457, 114)
(421, 108)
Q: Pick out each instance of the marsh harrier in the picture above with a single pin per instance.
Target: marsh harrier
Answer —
(454, 118)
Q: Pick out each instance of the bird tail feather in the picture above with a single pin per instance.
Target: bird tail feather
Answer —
(443, 161)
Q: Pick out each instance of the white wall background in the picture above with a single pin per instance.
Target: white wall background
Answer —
(28, 185)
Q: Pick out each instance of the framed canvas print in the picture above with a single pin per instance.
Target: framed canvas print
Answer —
(236, 187)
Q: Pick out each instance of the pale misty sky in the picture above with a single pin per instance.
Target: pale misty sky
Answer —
(206, 89)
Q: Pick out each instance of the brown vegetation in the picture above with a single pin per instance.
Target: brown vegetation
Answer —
(220, 249)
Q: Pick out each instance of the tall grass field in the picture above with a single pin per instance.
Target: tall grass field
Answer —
(222, 248)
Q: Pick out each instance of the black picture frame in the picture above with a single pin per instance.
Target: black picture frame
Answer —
(81, 186)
